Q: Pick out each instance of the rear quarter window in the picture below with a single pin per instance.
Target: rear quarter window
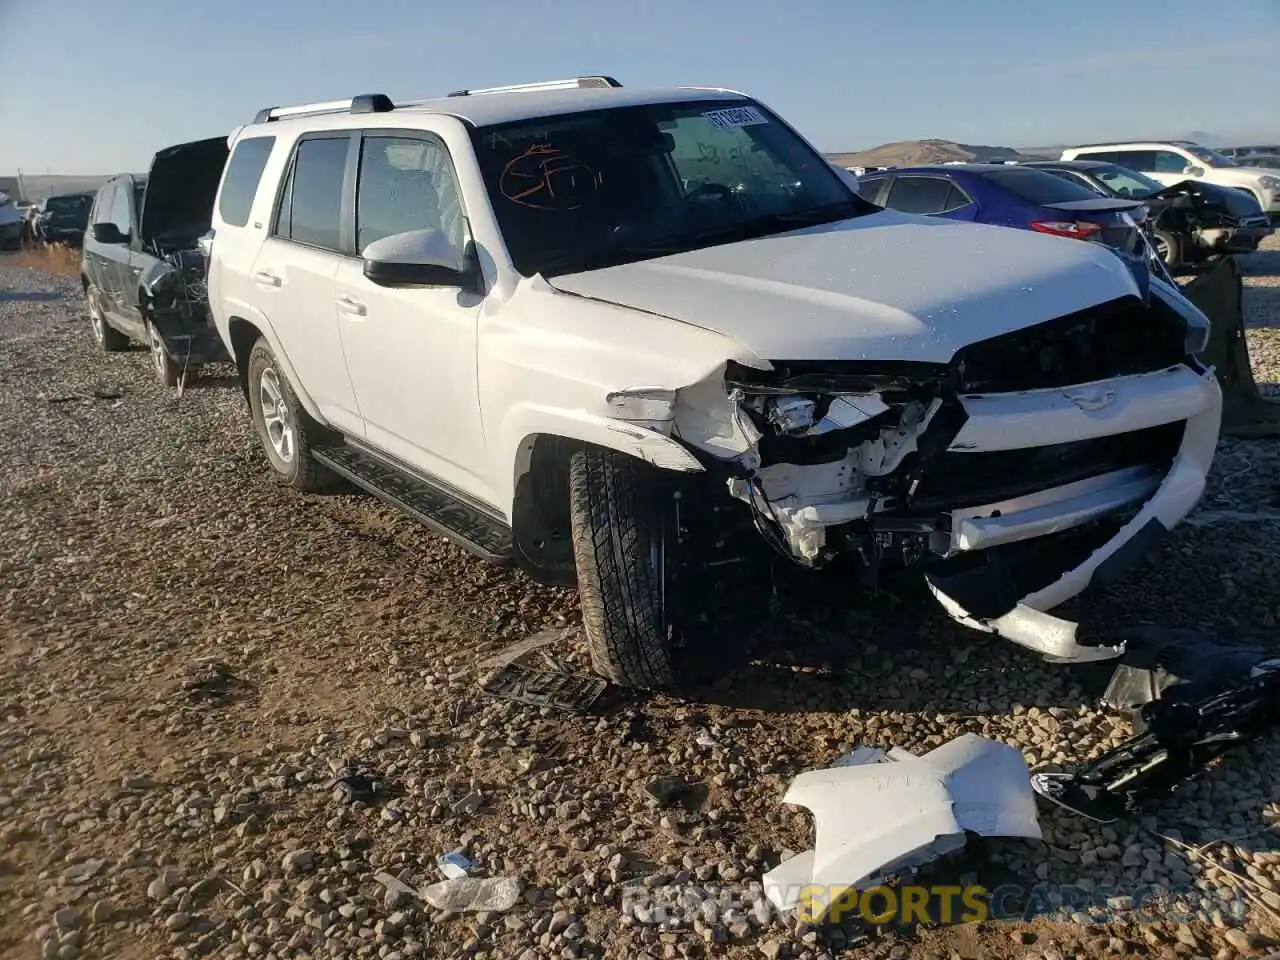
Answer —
(240, 183)
(1037, 186)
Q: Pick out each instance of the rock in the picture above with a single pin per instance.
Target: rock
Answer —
(1241, 940)
(67, 918)
(560, 921)
(298, 861)
(178, 922)
(772, 949)
(102, 911)
(468, 804)
(82, 871)
(491, 894)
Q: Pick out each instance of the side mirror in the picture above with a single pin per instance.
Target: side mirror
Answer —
(109, 233)
(418, 258)
(1194, 171)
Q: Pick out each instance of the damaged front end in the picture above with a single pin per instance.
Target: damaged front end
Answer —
(175, 222)
(1220, 220)
(1012, 476)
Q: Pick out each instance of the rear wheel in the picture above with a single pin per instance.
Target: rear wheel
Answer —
(108, 338)
(285, 430)
(622, 518)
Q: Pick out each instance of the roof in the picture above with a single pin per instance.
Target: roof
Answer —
(956, 167)
(484, 109)
(1068, 164)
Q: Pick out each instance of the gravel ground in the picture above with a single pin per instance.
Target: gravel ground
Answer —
(190, 652)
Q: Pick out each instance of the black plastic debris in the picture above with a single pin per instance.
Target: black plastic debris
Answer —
(1182, 664)
(1181, 736)
(670, 791)
(357, 783)
(210, 681)
(544, 688)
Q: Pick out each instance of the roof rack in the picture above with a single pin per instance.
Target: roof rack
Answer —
(575, 82)
(362, 103)
(381, 103)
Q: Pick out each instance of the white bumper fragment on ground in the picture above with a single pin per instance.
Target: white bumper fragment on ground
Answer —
(1109, 407)
(878, 815)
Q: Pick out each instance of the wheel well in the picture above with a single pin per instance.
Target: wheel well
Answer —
(540, 509)
(243, 336)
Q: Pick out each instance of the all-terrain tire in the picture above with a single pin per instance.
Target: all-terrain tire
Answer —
(294, 465)
(107, 337)
(618, 521)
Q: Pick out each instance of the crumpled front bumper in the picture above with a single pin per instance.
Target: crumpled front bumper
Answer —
(1188, 393)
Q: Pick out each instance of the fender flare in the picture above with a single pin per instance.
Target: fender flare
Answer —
(526, 421)
(239, 311)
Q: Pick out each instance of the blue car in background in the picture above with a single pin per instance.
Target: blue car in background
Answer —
(1015, 196)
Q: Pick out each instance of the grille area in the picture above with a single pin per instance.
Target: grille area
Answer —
(952, 480)
(1115, 339)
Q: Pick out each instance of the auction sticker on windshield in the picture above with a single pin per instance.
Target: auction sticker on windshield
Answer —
(735, 117)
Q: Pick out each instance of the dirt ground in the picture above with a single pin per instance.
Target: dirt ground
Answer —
(188, 652)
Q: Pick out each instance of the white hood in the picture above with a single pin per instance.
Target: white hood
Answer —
(886, 286)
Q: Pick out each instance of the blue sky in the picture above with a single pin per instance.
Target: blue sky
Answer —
(93, 87)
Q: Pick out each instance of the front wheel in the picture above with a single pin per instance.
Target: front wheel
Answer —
(108, 338)
(622, 522)
(167, 370)
(1167, 248)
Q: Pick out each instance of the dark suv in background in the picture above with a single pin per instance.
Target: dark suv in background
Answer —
(63, 218)
(143, 271)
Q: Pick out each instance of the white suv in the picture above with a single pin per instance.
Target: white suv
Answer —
(1174, 161)
(600, 332)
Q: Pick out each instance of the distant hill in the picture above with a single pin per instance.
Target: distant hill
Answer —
(39, 186)
(913, 152)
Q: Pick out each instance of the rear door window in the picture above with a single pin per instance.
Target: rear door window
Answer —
(240, 183)
(311, 206)
(1039, 187)
(915, 194)
(1141, 160)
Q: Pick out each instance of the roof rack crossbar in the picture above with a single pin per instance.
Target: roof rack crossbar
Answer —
(572, 83)
(361, 103)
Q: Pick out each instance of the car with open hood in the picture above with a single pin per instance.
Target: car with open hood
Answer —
(633, 339)
(1189, 222)
(142, 267)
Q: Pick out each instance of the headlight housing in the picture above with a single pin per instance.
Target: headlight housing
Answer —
(1269, 183)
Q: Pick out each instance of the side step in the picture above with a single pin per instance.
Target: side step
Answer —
(435, 503)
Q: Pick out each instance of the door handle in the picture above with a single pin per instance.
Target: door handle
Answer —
(352, 306)
(267, 279)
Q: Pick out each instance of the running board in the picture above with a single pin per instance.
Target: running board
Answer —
(434, 503)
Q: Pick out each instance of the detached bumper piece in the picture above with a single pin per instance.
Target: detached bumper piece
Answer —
(876, 815)
(1180, 737)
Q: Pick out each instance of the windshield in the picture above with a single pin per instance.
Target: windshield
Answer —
(1210, 158)
(594, 189)
(1124, 182)
(74, 204)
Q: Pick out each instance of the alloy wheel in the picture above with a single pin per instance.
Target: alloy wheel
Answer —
(276, 417)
